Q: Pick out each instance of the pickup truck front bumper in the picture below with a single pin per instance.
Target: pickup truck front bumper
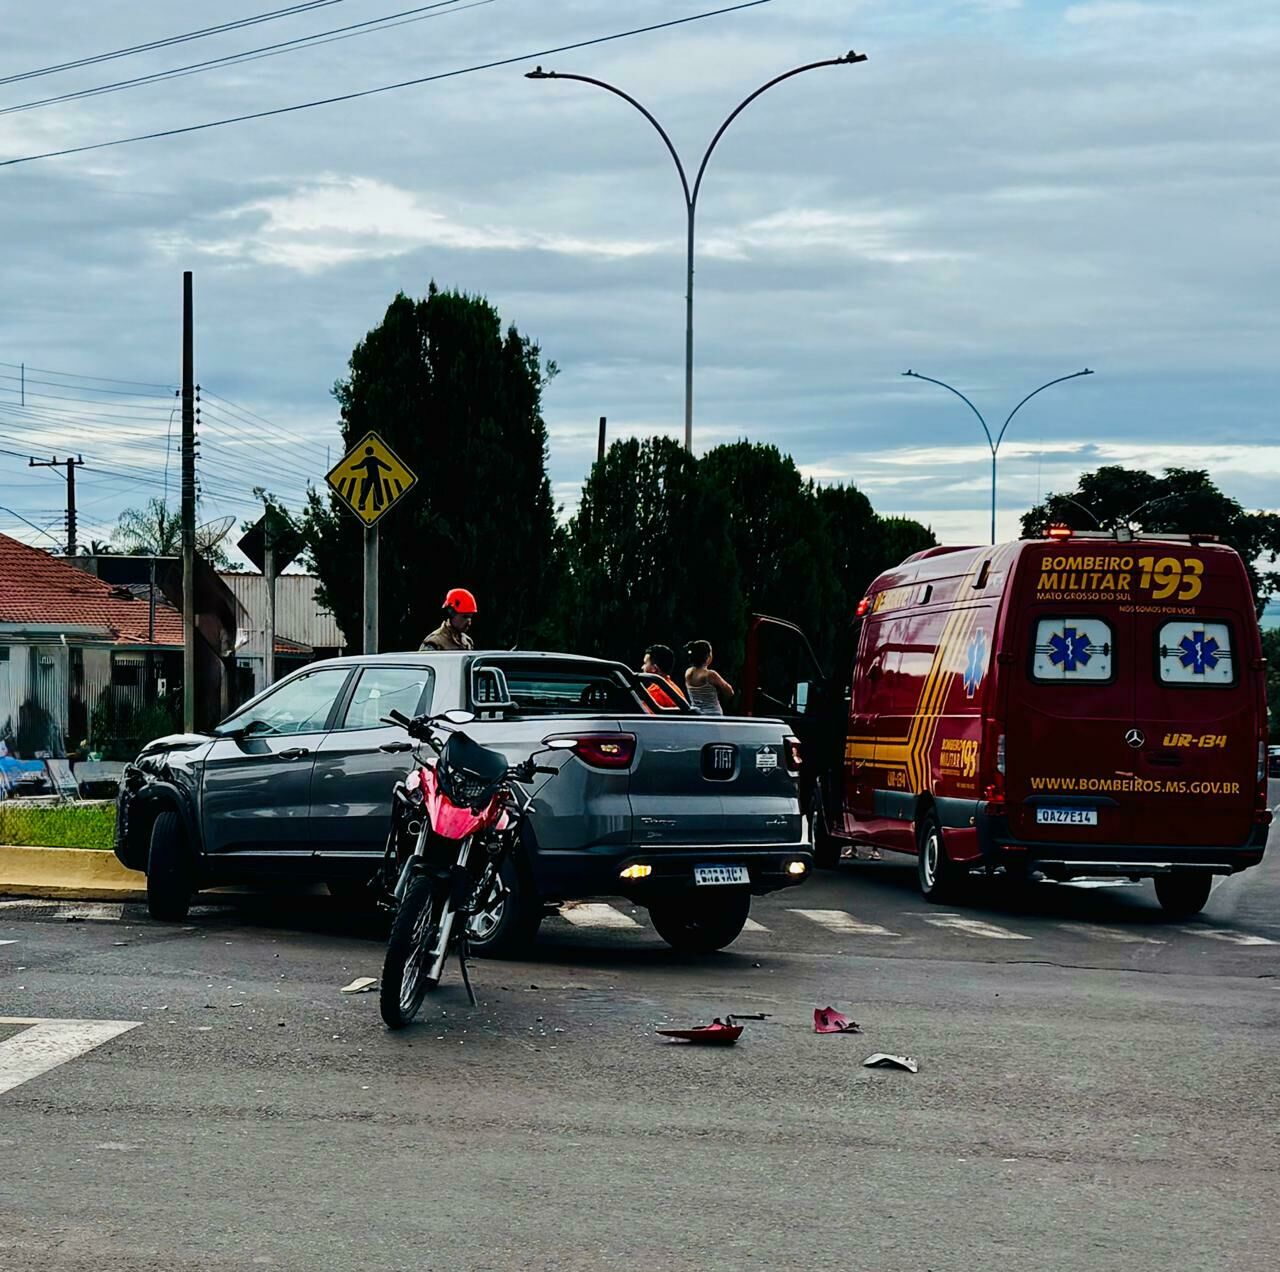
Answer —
(598, 871)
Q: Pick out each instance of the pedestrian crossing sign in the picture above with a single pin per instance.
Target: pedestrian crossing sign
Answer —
(370, 479)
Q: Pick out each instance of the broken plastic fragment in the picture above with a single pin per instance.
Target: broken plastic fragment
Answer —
(716, 1034)
(826, 1020)
(361, 985)
(882, 1061)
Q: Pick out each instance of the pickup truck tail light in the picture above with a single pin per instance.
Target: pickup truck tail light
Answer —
(791, 748)
(606, 750)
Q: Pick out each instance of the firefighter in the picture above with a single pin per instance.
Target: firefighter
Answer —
(451, 636)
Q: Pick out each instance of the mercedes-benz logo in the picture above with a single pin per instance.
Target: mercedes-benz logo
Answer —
(1135, 738)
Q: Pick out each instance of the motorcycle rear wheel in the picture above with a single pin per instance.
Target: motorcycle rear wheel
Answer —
(410, 949)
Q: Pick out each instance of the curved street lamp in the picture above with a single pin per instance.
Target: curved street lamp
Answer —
(994, 443)
(691, 192)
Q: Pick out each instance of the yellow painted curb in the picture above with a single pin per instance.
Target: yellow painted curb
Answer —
(86, 874)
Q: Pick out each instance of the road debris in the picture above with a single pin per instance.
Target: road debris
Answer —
(716, 1034)
(826, 1020)
(882, 1061)
(361, 985)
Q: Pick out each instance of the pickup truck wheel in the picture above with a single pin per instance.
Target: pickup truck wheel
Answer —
(700, 925)
(170, 875)
(508, 926)
(940, 878)
(826, 847)
(1183, 893)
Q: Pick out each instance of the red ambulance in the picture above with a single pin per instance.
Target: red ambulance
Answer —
(1078, 705)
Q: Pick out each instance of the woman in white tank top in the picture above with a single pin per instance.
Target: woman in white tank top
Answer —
(705, 685)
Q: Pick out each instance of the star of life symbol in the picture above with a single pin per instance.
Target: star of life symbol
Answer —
(1070, 649)
(976, 663)
(1199, 653)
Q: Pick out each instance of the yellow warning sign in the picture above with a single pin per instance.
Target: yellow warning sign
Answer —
(371, 478)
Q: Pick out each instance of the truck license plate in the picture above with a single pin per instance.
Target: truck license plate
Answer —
(706, 875)
(1067, 816)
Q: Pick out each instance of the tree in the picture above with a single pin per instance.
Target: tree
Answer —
(783, 553)
(460, 403)
(1181, 501)
(650, 558)
(155, 530)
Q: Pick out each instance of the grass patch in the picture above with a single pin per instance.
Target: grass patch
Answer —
(88, 825)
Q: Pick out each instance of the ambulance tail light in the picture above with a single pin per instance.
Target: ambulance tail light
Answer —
(993, 792)
(863, 606)
(1262, 814)
(1000, 757)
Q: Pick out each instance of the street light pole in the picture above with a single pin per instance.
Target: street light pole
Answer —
(994, 443)
(691, 192)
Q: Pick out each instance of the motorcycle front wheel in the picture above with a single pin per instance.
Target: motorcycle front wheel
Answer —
(411, 952)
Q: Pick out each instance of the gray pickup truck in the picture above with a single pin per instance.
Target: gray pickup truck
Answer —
(688, 815)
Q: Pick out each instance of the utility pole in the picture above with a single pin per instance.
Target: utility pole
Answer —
(269, 579)
(600, 443)
(188, 510)
(71, 466)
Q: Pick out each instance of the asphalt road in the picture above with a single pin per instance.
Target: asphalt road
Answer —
(1097, 1090)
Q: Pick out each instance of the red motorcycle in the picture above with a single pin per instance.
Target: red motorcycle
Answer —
(455, 818)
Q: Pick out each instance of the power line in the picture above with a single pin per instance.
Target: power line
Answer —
(386, 88)
(58, 384)
(75, 375)
(32, 524)
(370, 26)
(184, 38)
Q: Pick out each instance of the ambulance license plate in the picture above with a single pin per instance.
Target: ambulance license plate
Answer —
(1067, 816)
(709, 875)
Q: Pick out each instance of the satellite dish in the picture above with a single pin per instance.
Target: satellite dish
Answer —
(209, 535)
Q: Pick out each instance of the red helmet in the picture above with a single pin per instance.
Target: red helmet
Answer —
(460, 601)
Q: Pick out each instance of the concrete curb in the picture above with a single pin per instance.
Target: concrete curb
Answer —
(83, 874)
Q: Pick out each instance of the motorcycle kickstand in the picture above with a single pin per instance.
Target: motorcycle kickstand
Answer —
(462, 963)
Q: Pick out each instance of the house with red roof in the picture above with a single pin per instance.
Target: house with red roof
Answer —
(72, 644)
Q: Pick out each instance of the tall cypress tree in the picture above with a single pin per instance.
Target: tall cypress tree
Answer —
(460, 402)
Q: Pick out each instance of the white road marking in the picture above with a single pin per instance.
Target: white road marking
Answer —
(752, 926)
(110, 913)
(843, 923)
(8, 942)
(596, 914)
(1109, 934)
(68, 909)
(49, 1043)
(974, 927)
(1225, 934)
(1100, 883)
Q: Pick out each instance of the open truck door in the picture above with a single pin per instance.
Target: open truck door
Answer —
(783, 678)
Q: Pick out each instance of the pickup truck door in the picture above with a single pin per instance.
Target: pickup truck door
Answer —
(256, 788)
(361, 759)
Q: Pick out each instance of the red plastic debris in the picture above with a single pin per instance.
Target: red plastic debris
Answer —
(716, 1034)
(827, 1020)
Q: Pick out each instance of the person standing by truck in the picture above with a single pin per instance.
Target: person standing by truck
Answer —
(706, 686)
(660, 660)
(451, 636)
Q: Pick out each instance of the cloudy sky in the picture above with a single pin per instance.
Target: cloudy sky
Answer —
(1005, 192)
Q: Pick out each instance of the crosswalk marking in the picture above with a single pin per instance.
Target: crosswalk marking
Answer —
(596, 914)
(845, 924)
(752, 926)
(48, 1043)
(1109, 934)
(111, 912)
(1225, 934)
(974, 927)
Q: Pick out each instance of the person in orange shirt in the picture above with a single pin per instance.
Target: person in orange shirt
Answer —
(660, 660)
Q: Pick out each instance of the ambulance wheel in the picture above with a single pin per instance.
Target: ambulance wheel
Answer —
(825, 846)
(1183, 893)
(939, 876)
